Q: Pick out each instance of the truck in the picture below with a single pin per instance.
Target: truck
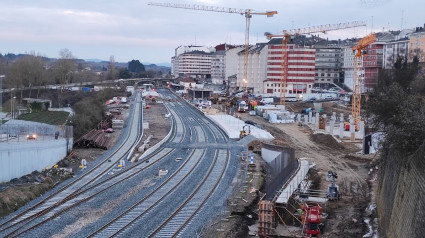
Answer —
(267, 100)
(130, 90)
(242, 106)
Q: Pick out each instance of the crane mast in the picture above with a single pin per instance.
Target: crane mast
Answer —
(286, 36)
(246, 12)
(358, 78)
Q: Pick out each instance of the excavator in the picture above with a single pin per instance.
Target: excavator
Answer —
(245, 132)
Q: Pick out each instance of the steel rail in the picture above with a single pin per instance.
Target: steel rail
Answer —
(74, 182)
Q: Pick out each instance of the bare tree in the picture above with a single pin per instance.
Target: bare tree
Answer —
(112, 71)
(65, 67)
(26, 71)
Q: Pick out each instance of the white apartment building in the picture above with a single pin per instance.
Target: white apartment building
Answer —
(195, 64)
(218, 67)
(394, 50)
(348, 66)
(256, 69)
(232, 64)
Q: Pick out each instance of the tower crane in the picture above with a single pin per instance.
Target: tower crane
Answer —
(286, 36)
(358, 49)
(246, 12)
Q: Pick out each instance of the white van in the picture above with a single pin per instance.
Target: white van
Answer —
(267, 100)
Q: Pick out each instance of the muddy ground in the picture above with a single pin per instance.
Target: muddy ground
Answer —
(345, 217)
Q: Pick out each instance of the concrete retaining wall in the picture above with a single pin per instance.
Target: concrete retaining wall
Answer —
(281, 163)
(401, 193)
(21, 158)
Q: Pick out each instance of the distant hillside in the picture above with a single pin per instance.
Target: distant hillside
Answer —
(96, 64)
(159, 64)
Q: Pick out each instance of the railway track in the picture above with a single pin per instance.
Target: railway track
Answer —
(201, 132)
(126, 219)
(182, 216)
(70, 190)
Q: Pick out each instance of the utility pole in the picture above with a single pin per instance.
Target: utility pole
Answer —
(1, 99)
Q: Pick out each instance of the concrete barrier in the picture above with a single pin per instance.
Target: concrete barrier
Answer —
(21, 158)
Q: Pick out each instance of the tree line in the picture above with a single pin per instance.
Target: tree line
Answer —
(33, 71)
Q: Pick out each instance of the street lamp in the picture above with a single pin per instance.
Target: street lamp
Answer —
(246, 85)
(1, 99)
(13, 116)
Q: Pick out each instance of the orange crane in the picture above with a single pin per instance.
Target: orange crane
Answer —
(286, 36)
(246, 12)
(358, 49)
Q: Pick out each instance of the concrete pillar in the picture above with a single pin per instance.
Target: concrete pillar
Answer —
(313, 123)
(362, 129)
(341, 130)
(299, 117)
(341, 117)
(352, 129)
(317, 120)
(306, 119)
(310, 115)
(332, 125)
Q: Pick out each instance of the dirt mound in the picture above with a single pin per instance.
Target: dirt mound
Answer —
(326, 140)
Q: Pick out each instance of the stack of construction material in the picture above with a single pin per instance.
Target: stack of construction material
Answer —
(94, 139)
(105, 123)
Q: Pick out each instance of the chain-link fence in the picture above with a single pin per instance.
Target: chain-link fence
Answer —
(20, 132)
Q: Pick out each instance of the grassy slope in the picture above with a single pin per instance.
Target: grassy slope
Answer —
(52, 118)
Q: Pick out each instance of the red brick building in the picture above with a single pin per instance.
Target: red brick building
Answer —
(301, 68)
(372, 61)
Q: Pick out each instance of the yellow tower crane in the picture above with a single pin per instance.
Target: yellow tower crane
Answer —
(286, 37)
(358, 78)
(246, 12)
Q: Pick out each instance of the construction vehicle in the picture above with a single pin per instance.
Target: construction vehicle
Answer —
(242, 106)
(333, 189)
(246, 12)
(246, 130)
(286, 37)
(311, 217)
(252, 104)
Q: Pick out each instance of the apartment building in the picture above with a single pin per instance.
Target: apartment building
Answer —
(328, 63)
(218, 67)
(301, 67)
(192, 61)
(232, 65)
(394, 50)
(256, 69)
(194, 64)
(348, 66)
(373, 60)
(417, 44)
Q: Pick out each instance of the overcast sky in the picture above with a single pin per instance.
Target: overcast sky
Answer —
(130, 29)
